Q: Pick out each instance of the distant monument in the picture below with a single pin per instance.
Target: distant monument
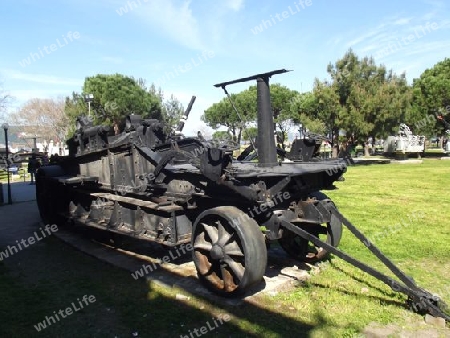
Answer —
(447, 131)
(404, 143)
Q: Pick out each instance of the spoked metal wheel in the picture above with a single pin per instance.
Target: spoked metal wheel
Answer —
(229, 250)
(301, 249)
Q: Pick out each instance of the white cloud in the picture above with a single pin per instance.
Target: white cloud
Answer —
(235, 5)
(403, 21)
(174, 20)
(428, 48)
(40, 78)
(334, 41)
(429, 15)
(363, 37)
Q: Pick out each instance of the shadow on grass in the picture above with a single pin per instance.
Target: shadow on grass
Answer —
(389, 293)
(49, 276)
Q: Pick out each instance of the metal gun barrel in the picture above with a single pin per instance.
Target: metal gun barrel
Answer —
(186, 114)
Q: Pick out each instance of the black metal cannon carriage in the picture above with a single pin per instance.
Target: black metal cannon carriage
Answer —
(156, 185)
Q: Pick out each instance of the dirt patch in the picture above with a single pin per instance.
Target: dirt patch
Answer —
(411, 330)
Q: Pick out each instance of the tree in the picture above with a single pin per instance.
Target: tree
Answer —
(5, 100)
(116, 96)
(362, 99)
(172, 108)
(44, 118)
(284, 117)
(74, 106)
(221, 135)
(223, 114)
(431, 98)
(327, 107)
(250, 134)
(172, 111)
(305, 110)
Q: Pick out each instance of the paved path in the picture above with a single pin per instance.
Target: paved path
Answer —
(18, 221)
(21, 219)
(20, 192)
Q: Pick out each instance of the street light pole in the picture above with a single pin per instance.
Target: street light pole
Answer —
(89, 98)
(5, 128)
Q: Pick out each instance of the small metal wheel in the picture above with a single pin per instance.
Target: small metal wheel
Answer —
(229, 250)
(301, 249)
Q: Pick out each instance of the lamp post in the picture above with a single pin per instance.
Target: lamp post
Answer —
(89, 98)
(5, 127)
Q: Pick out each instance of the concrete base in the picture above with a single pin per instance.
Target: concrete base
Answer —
(368, 160)
(445, 158)
(407, 161)
(282, 273)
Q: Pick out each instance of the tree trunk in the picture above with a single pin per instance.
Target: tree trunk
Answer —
(116, 129)
(335, 143)
(233, 132)
(366, 149)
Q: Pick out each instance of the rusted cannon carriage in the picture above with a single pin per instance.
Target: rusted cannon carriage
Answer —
(156, 185)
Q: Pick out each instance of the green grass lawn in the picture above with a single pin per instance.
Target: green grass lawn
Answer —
(404, 209)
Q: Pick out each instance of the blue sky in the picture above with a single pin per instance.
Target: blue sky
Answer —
(49, 47)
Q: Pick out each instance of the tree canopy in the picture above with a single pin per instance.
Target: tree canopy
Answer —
(44, 118)
(223, 114)
(360, 99)
(116, 96)
(431, 97)
(5, 100)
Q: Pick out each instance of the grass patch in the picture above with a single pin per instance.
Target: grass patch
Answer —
(338, 302)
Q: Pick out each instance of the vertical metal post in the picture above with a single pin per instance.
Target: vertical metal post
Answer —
(267, 153)
(5, 128)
